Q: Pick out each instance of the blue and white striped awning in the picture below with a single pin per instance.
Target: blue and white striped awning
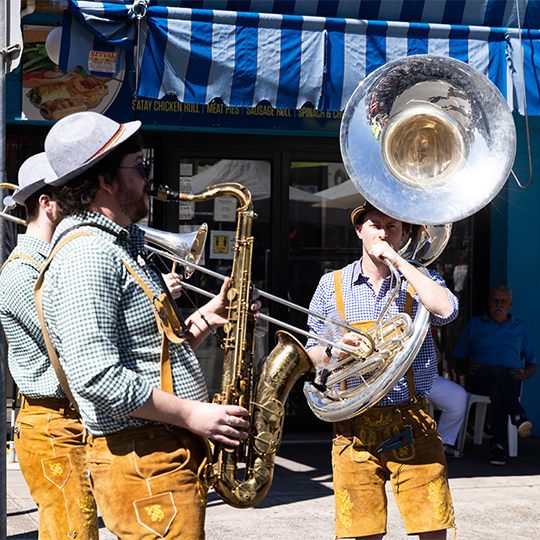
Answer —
(244, 58)
(497, 13)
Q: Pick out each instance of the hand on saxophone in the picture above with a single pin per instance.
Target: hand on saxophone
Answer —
(221, 423)
(216, 310)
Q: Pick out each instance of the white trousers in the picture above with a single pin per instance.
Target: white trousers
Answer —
(451, 399)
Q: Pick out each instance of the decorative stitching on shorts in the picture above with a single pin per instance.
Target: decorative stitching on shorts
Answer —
(381, 421)
(87, 504)
(436, 497)
(343, 507)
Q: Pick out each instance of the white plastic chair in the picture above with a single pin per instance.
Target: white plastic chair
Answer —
(482, 403)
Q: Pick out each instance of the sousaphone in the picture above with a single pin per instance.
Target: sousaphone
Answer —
(428, 140)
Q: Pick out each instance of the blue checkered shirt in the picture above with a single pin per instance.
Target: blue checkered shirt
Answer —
(27, 354)
(103, 327)
(363, 304)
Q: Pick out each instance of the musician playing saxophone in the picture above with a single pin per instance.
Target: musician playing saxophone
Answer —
(363, 454)
(139, 387)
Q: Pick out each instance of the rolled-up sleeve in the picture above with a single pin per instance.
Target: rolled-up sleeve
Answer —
(437, 320)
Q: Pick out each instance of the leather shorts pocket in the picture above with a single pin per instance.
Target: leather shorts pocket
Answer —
(57, 470)
(350, 447)
(156, 513)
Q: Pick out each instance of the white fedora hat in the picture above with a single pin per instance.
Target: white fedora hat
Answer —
(80, 140)
(34, 174)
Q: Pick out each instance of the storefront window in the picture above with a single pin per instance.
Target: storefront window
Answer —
(321, 236)
(195, 176)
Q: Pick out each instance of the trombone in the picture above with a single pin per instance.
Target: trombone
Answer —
(176, 248)
(186, 249)
(9, 204)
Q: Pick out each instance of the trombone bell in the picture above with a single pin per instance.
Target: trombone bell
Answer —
(187, 246)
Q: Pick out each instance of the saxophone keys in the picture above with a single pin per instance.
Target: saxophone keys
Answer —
(267, 443)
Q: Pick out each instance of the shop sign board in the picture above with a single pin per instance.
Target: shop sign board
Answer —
(48, 94)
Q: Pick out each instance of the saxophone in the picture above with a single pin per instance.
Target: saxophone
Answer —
(262, 396)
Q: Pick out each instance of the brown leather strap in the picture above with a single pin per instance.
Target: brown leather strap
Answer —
(410, 372)
(166, 319)
(38, 299)
(168, 325)
(21, 256)
(339, 293)
(166, 370)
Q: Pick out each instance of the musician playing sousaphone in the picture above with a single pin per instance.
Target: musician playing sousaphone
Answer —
(128, 360)
(377, 443)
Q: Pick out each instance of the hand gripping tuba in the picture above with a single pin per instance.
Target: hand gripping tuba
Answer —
(428, 140)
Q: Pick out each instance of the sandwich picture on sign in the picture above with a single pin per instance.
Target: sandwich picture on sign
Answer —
(50, 94)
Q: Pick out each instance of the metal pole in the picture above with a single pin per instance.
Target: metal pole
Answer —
(3, 344)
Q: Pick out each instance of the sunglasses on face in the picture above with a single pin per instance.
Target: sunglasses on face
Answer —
(143, 168)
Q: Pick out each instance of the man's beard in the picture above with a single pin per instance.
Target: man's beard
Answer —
(134, 205)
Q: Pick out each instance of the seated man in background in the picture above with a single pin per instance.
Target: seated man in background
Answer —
(496, 351)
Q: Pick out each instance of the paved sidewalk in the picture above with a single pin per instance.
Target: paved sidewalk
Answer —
(491, 503)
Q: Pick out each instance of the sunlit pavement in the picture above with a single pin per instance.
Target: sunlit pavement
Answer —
(491, 503)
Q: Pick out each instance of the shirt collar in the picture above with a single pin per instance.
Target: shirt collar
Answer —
(27, 242)
(359, 278)
(487, 318)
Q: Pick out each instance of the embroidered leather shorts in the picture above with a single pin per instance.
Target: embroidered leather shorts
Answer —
(148, 482)
(417, 473)
(50, 446)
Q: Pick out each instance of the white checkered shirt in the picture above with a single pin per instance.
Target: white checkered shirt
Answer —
(362, 304)
(27, 355)
(103, 327)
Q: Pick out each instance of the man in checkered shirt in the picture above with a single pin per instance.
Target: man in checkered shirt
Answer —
(49, 436)
(417, 470)
(147, 445)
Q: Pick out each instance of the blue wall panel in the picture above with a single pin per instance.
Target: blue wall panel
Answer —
(523, 240)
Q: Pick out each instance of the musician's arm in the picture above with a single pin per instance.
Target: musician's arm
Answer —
(433, 296)
(223, 423)
(211, 315)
